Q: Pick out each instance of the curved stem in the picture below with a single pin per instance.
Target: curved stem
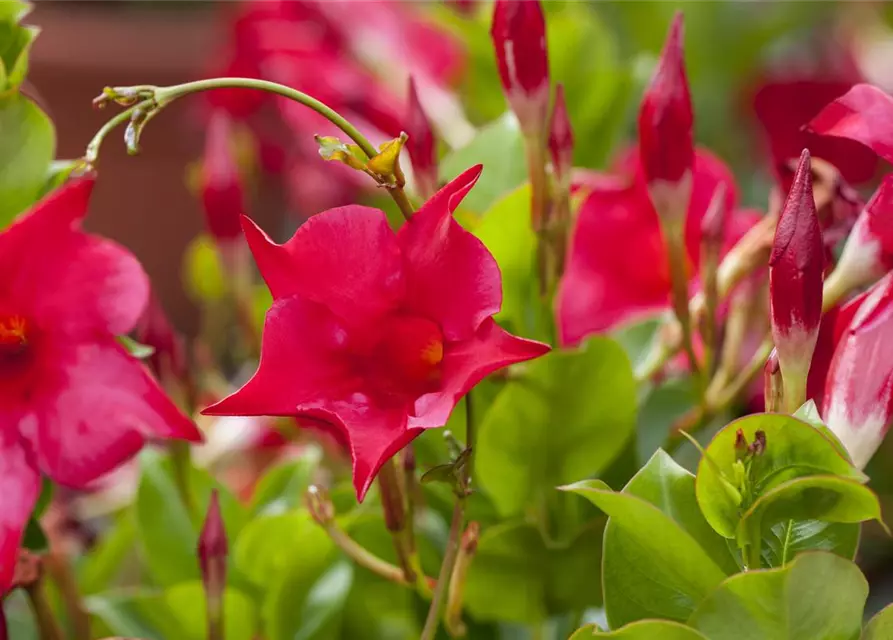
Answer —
(91, 155)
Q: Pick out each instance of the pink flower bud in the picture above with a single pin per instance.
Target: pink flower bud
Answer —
(665, 117)
(795, 284)
(519, 35)
(868, 252)
(421, 144)
(212, 551)
(223, 197)
(561, 137)
(858, 401)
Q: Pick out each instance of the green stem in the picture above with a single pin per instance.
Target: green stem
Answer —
(446, 569)
(393, 504)
(534, 146)
(91, 155)
(47, 626)
(469, 439)
(181, 456)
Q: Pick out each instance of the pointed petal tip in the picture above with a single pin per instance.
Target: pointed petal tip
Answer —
(212, 542)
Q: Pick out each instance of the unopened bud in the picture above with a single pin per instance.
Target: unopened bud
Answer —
(561, 138)
(421, 145)
(758, 446)
(741, 448)
(773, 390)
(212, 552)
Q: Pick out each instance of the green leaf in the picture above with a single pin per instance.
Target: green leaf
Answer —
(29, 145)
(793, 449)
(103, 562)
(567, 417)
(135, 349)
(507, 232)
(203, 271)
(133, 614)
(671, 488)
(325, 602)
(168, 533)
(785, 540)
(34, 539)
(642, 630)
(809, 413)
(498, 146)
(283, 486)
(186, 605)
(13, 10)
(59, 171)
(653, 568)
(818, 596)
(880, 627)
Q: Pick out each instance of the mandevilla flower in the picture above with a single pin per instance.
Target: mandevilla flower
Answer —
(519, 36)
(665, 118)
(795, 284)
(868, 252)
(223, 197)
(858, 401)
(378, 334)
(864, 114)
(73, 403)
(421, 144)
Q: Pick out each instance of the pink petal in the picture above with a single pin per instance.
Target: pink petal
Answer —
(301, 361)
(68, 280)
(864, 114)
(468, 362)
(604, 283)
(451, 276)
(346, 259)
(94, 409)
(19, 486)
(376, 432)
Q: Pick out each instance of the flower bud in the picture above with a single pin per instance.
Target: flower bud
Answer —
(665, 116)
(222, 193)
(212, 552)
(421, 144)
(773, 391)
(795, 285)
(858, 403)
(868, 252)
(561, 138)
(519, 36)
(320, 505)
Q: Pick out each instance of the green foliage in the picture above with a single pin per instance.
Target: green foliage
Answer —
(880, 627)
(29, 144)
(643, 630)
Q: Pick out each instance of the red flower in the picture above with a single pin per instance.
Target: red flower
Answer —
(421, 144)
(519, 36)
(561, 136)
(617, 232)
(858, 396)
(375, 333)
(223, 197)
(665, 117)
(864, 114)
(73, 404)
(796, 267)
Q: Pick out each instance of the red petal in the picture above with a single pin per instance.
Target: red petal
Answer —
(375, 432)
(299, 362)
(709, 173)
(19, 486)
(864, 114)
(222, 193)
(468, 362)
(604, 284)
(94, 409)
(451, 276)
(68, 280)
(346, 259)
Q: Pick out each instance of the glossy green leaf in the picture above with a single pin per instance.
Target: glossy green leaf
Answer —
(15, 45)
(132, 614)
(499, 146)
(880, 627)
(59, 171)
(324, 603)
(671, 488)
(168, 532)
(794, 449)
(567, 417)
(653, 568)
(818, 596)
(29, 145)
(507, 232)
(283, 486)
(642, 630)
(785, 540)
(186, 604)
(13, 10)
(825, 498)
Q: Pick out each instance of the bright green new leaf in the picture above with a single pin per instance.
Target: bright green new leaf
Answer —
(794, 449)
(653, 568)
(29, 145)
(880, 627)
(568, 416)
(818, 596)
(282, 487)
(642, 630)
(785, 540)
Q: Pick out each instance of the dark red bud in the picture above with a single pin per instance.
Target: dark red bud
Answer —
(212, 542)
(713, 224)
(740, 443)
(561, 137)
(758, 446)
(421, 144)
(665, 117)
(222, 193)
(519, 36)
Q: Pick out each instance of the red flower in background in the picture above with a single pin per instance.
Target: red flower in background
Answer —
(864, 114)
(377, 334)
(73, 403)
(617, 263)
